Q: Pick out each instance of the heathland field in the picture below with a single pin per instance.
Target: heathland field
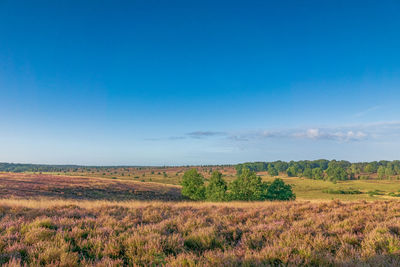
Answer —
(102, 233)
(163, 184)
(84, 219)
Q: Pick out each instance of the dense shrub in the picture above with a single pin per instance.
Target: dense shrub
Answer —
(343, 192)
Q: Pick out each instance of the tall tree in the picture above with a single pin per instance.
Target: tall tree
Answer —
(278, 190)
(193, 185)
(247, 186)
(216, 188)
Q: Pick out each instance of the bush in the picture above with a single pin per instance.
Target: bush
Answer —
(193, 185)
(375, 192)
(342, 192)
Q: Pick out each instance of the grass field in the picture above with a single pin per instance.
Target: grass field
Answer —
(307, 189)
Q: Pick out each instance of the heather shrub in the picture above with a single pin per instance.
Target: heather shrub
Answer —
(202, 234)
(202, 239)
(35, 235)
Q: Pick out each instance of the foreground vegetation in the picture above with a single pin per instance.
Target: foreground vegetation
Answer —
(68, 233)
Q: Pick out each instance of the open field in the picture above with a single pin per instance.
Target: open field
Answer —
(158, 187)
(53, 219)
(165, 175)
(101, 233)
(22, 185)
(307, 189)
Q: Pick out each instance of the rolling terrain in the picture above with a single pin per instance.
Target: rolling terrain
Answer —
(85, 219)
(23, 185)
(164, 184)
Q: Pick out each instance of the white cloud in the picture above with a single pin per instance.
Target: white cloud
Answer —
(339, 134)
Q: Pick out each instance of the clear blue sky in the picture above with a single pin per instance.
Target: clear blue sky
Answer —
(198, 82)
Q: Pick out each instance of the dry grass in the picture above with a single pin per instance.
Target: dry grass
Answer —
(136, 233)
(59, 220)
(23, 185)
(165, 175)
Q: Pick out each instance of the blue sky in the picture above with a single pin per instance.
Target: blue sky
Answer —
(198, 82)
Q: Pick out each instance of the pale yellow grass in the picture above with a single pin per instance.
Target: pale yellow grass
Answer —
(43, 203)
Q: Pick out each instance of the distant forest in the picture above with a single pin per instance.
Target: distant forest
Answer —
(322, 169)
(23, 167)
(331, 170)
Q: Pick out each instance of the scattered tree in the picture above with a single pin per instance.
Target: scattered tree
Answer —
(278, 190)
(247, 186)
(193, 185)
(216, 188)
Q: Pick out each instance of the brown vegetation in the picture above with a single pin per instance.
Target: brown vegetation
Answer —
(70, 233)
(22, 185)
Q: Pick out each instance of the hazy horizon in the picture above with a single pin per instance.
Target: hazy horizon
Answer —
(198, 83)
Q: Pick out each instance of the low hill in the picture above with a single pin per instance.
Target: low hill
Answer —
(25, 185)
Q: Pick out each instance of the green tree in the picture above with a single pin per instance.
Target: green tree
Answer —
(336, 173)
(193, 185)
(216, 189)
(317, 173)
(371, 167)
(291, 171)
(307, 173)
(278, 190)
(381, 172)
(281, 166)
(272, 170)
(247, 186)
(389, 171)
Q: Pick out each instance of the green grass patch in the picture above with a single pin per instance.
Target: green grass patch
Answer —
(343, 192)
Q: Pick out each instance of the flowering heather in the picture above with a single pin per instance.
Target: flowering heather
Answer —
(94, 233)
(23, 185)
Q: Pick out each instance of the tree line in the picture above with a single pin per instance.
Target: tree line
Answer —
(331, 170)
(21, 167)
(248, 186)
